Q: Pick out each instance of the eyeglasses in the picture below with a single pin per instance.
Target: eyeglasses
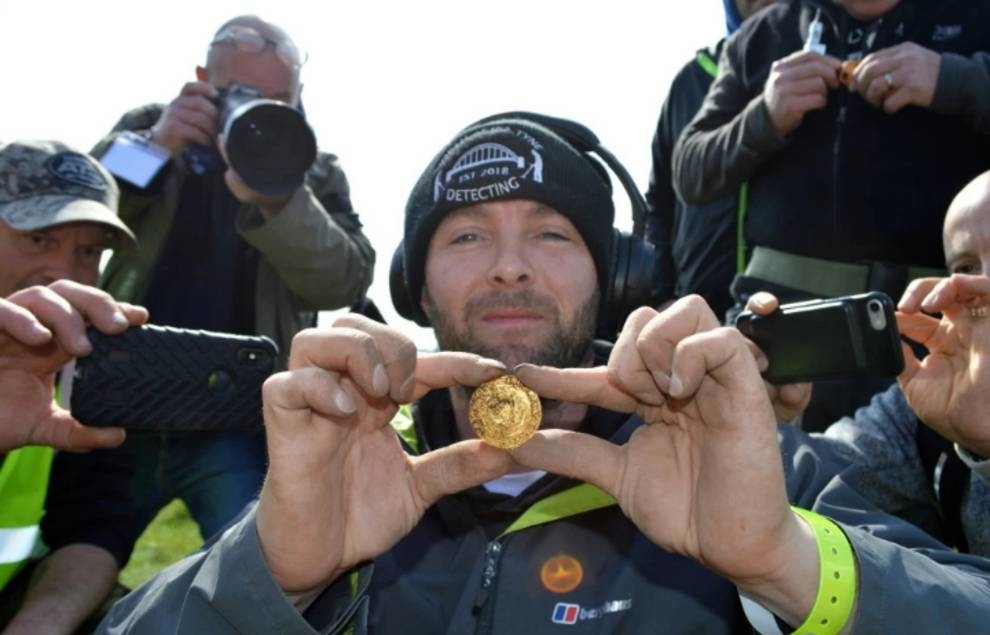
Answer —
(248, 40)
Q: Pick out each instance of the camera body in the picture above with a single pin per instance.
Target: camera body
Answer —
(267, 142)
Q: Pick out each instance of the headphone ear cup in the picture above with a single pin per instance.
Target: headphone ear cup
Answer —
(404, 305)
(629, 283)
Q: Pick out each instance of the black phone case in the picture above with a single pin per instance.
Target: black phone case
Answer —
(833, 338)
(163, 378)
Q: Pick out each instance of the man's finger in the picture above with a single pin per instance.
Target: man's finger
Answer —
(578, 385)
(446, 369)
(58, 315)
(349, 351)
(63, 432)
(573, 454)
(457, 467)
(20, 324)
(398, 353)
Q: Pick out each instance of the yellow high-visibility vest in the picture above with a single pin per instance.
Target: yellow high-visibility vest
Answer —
(23, 486)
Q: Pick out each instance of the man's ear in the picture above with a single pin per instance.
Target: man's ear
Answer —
(201, 74)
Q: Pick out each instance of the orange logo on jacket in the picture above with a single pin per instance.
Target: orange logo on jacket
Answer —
(561, 574)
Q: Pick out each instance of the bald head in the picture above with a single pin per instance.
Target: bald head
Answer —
(966, 230)
(249, 42)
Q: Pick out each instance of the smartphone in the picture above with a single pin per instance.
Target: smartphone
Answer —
(832, 338)
(164, 378)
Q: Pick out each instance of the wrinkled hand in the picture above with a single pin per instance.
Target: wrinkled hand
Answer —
(42, 328)
(709, 442)
(340, 490)
(913, 72)
(950, 388)
(189, 118)
(789, 400)
(798, 84)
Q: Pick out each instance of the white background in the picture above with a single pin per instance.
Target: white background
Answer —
(387, 83)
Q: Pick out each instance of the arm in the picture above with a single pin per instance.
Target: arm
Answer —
(963, 89)
(660, 204)
(709, 441)
(946, 83)
(739, 126)
(314, 241)
(339, 490)
(70, 584)
(897, 562)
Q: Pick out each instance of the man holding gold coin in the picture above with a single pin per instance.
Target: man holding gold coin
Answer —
(653, 496)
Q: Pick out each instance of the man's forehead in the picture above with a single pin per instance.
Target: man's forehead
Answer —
(533, 209)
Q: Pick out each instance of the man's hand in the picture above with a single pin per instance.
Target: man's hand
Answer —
(340, 490)
(950, 388)
(42, 328)
(798, 84)
(703, 477)
(789, 400)
(912, 71)
(189, 118)
(270, 205)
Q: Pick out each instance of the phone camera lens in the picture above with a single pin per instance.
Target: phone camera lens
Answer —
(874, 306)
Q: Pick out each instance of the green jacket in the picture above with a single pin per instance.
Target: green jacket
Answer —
(313, 254)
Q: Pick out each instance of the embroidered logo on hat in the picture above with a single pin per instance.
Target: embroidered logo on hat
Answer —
(489, 170)
(77, 169)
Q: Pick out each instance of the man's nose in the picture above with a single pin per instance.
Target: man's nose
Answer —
(511, 266)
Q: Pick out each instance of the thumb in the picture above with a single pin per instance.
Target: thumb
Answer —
(458, 467)
(573, 454)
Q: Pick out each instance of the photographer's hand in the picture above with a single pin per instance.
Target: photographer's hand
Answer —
(42, 328)
(189, 118)
(269, 205)
(340, 490)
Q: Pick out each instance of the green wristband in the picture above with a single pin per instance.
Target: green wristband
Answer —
(837, 578)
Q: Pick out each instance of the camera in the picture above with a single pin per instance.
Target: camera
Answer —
(267, 142)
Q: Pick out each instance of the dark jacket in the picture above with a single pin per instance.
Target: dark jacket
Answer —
(851, 183)
(462, 571)
(696, 244)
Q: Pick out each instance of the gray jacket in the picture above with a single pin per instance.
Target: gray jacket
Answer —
(880, 450)
(908, 582)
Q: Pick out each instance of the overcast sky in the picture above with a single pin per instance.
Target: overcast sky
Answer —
(386, 85)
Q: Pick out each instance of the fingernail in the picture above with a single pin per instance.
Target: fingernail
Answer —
(407, 386)
(344, 401)
(493, 363)
(676, 387)
(379, 380)
(82, 345)
(662, 380)
(119, 319)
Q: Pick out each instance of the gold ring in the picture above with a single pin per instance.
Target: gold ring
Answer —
(979, 311)
(889, 79)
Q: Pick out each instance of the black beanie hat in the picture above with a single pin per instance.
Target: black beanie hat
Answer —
(508, 158)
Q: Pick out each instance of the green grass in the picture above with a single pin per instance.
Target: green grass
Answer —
(170, 536)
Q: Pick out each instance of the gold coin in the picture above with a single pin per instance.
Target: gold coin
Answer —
(504, 413)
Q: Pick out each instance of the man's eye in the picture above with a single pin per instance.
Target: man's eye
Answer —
(466, 237)
(966, 267)
(91, 252)
(554, 235)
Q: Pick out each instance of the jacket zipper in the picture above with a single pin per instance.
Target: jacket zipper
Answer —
(484, 601)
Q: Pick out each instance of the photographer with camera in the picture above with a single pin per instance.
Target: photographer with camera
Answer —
(223, 247)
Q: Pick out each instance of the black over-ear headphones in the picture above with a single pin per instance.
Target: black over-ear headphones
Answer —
(632, 259)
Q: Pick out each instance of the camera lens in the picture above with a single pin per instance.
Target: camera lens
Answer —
(874, 306)
(269, 145)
